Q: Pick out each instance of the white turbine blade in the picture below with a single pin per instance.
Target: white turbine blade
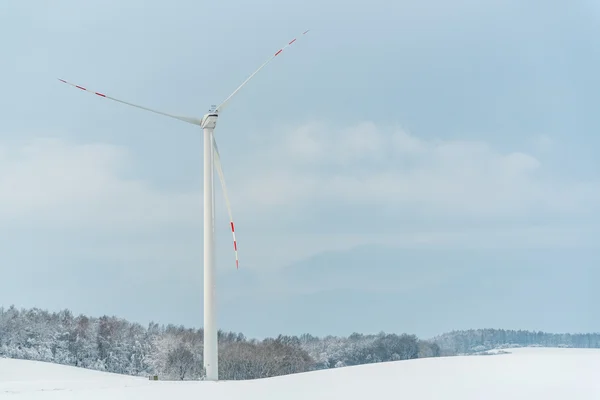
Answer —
(194, 121)
(255, 72)
(217, 163)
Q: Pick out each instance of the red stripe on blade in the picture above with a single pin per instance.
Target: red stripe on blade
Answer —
(235, 246)
(292, 41)
(100, 94)
(80, 87)
(279, 51)
(232, 228)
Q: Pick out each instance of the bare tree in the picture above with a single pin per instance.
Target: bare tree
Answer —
(181, 361)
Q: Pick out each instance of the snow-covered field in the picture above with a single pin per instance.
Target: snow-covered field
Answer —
(527, 373)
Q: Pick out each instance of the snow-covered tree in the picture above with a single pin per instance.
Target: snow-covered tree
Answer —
(175, 352)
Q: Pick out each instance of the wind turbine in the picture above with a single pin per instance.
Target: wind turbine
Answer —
(211, 159)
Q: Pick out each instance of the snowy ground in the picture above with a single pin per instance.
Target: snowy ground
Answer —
(528, 373)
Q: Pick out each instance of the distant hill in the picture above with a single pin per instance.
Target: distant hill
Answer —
(478, 340)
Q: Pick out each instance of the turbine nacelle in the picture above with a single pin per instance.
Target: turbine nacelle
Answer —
(209, 121)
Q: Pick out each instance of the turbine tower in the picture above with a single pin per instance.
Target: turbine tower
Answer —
(211, 159)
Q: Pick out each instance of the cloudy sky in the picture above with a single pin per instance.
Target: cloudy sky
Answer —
(407, 165)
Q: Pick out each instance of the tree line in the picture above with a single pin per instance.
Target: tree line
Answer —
(175, 353)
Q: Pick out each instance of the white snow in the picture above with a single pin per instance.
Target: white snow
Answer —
(527, 373)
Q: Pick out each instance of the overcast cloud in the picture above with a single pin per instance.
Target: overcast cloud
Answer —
(412, 125)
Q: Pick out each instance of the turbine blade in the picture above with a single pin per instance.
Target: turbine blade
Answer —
(222, 105)
(189, 120)
(217, 163)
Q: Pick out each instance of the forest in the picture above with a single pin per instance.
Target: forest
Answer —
(175, 353)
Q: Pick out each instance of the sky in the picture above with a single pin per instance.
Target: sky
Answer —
(410, 166)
